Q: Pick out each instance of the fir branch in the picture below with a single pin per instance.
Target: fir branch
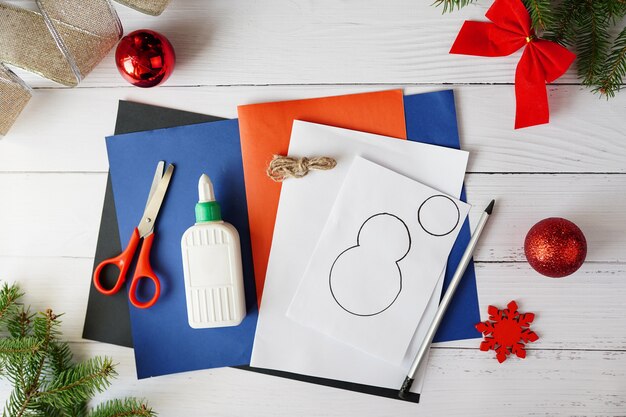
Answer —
(46, 326)
(449, 5)
(9, 294)
(45, 381)
(20, 325)
(129, 407)
(614, 68)
(616, 9)
(563, 29)
(16, 365)
(540, 13)
(79, 383)
(49, 411)
(592, 41)
(44, 329)
(60, 358)
(14, 357)
(16, 404)
(26, 402)
(15, 347)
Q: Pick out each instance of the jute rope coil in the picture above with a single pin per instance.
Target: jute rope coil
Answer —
(283, 167)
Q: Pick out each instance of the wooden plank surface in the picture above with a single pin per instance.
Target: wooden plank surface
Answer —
(585, 134)
(459, 383)
(252, 42)
(52, 176)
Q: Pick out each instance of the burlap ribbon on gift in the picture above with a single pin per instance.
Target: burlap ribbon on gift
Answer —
(63, 42)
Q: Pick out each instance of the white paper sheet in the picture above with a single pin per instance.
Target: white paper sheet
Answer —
(303, 209)
(377, 262)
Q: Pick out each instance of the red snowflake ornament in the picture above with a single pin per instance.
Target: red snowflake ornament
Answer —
(507, 331)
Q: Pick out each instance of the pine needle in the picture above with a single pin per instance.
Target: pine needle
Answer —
(129, 407)
(20, 324)
(78, 383)
(616, 9)
(449, 5)
(592, 41)
(614, 68)
(17, 404)
(9, 348)
(59, 358)
(563, 28)
(9, 295)
(540, 13)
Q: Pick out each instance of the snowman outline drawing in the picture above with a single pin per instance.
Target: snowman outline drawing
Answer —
(401, 225)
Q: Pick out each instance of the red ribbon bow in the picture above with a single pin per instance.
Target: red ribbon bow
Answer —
(542, 61)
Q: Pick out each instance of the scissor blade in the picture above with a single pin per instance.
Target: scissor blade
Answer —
(158, 174)
(154, 205)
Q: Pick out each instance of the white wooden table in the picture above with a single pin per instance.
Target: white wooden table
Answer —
(53, 169)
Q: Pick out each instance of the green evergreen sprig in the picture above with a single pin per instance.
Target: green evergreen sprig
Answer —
(586, 27)
(610, 81)
(8, 303)
(592, 41)
(46, 380)
(450, 5)
(540, 14)
(128, 407)
(563, 28)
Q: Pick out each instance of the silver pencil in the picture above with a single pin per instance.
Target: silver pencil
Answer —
(445, 301)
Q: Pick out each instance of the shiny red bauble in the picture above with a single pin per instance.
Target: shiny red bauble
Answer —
(145, 58)
(555, 247)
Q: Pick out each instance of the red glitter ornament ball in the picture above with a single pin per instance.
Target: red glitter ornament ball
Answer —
(145, 58)
(555, 247)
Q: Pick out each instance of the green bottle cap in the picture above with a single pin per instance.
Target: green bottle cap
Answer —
(208, 211)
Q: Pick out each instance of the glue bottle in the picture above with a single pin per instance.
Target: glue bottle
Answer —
(212, 266)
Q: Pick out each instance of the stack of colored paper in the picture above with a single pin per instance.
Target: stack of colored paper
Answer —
(280, 228)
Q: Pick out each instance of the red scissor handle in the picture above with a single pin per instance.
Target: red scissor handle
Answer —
(143, 270)
(122, 261)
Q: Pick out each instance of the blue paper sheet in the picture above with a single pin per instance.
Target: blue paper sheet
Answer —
(164, 343)
(431, 118)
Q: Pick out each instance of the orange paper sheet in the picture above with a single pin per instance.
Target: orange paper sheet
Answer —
(266, 130)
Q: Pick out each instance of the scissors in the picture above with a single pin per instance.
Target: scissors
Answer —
(145, 231)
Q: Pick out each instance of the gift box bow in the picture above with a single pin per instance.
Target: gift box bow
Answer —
(542, 61)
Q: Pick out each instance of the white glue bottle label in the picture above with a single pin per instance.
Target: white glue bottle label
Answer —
(212, 266)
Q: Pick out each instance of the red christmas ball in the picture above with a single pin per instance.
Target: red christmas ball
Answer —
(145, 58)
(555, 247)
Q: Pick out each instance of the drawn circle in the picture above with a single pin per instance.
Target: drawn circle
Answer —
(439, 215)
(370, 269)
(385, 232)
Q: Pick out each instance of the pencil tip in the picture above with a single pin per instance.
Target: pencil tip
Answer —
(406, 386)
(489, 208)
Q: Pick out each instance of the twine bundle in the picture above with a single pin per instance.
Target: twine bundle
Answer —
(63, 42)
(283, 167)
